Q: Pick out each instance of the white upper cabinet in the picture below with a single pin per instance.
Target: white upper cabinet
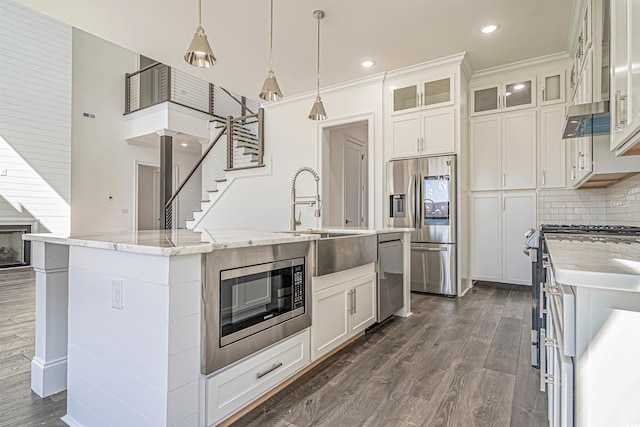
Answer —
(625, 76)
(552, 148)
(427, 133)
(503, 152)
(519, 150)
(552, 87)
(486, 148)
(411, 95)
(504, 96)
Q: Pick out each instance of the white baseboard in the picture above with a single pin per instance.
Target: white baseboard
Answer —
(48, 378)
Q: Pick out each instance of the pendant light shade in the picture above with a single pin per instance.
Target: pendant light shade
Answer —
(317, 111)
(199, 53)
(270, 89)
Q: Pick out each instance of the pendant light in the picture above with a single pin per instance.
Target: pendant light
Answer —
(317, 111)
(199, 53)
(270, 89)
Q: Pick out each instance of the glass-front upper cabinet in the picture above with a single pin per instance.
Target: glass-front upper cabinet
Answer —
(552, 87)
(412, 95)
(506, 96)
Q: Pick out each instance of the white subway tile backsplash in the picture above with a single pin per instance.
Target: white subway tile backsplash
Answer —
(618, 204)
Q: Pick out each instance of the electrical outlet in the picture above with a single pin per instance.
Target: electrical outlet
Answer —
(116, 293)
(3, 172)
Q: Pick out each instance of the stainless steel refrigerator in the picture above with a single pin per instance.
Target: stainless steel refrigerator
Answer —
(421, 194)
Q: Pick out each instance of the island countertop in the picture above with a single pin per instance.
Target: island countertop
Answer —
(596, 263)
(184, 242)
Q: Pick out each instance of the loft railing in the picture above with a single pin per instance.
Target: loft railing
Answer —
(159, 83)
(239, 144)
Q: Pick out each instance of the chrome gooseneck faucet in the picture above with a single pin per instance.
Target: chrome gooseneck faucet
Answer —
(304, 200)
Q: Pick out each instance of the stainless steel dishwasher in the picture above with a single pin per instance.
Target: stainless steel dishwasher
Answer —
(390, 275)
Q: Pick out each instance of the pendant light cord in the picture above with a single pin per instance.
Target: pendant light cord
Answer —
(271, 40)
(200, 13)
(318, 73)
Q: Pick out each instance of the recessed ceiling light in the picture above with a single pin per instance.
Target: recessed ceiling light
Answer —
(184, 144)
(519, 86)
(368, 63)
(488, 29)
(507, 93)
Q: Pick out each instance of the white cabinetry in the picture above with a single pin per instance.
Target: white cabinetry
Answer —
(427, 133)
(503, 151)
(486, 212)
(234, 387)
(510, 95)
(499, 221)
(552, 87)
(552, 148)
(413, 94)
(343, 304)
(625, 77)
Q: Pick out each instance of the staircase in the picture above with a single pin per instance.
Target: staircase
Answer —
(237, 146)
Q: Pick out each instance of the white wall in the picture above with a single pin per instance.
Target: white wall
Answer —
(35, 118)
(103, 163)
(292, 141)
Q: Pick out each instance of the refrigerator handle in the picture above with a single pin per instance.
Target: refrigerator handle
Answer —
(410, 197)
(418, 201)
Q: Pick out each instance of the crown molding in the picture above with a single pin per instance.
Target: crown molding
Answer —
(447, 61)
(527, 64)
(377, 78)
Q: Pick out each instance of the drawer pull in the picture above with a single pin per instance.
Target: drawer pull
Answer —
(269, 370)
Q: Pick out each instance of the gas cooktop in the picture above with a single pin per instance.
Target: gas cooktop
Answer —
(626, 230)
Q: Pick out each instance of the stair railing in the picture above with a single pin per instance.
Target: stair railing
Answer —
(211, 165)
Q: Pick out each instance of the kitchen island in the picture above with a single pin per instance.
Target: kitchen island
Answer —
(593, 318)
(119, 324)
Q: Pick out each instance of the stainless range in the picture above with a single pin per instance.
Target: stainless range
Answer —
(535, 246)
(253, 297)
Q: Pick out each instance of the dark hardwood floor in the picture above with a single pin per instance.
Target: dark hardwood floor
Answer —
(19, 406)
(455, 362)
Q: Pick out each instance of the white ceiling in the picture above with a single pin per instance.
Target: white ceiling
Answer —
(394, 33)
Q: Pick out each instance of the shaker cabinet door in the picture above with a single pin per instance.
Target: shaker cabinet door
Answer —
(486, 149)
(439, 131)
(519, 150)
(552, 148)
(330, 322)
(405, 135)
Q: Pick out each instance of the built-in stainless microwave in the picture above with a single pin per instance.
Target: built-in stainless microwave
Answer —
(252, 298)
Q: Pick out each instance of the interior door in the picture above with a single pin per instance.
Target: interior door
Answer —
(353, 193)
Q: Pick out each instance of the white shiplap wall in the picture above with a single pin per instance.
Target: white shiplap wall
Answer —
(35, 118)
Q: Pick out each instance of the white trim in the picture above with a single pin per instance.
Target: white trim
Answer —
(48, 377)
(368, 117)
(364, 81)
(523, 66)
(447, 61)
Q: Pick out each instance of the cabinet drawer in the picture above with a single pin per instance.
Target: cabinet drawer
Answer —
(233, 388)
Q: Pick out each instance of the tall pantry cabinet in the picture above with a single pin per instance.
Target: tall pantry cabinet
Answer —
(425, 114)
(515, 148)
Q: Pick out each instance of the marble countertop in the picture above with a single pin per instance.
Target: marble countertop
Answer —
(184, 242)
(596, 263)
